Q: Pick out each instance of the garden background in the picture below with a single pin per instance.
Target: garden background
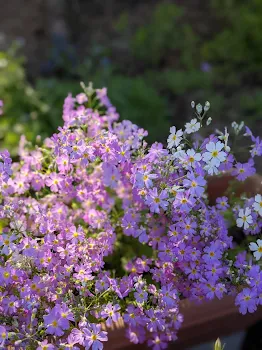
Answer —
(154, 57)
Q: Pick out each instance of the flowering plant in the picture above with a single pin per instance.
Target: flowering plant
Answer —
(98, 226)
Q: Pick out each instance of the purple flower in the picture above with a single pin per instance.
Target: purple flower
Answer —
(132, 317)
(160, 341)
(58, 320)
(81, 98)
(144, 179)
(256, 148)
(155, 152)
(154, 321)
(3, 336)
(246, 300)
(195, 184)
(71, 341)
(63, 164)
(141, 234)
(184, 201)
(243, 171)
(1, 107)
(75, 234)
(157, 201)
(222, 203)
(169, 295)
(6, 241)
(206, 67)
(93, 337)
(54, 182)
(45, 345)
(111, 175)
(111, 312)
(212, 253)
(141, 296)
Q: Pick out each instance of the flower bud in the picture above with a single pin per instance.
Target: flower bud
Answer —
(199, 108)
(218, 345)
(18, 342)
(209, 120)
(207, 106)
(193, 104)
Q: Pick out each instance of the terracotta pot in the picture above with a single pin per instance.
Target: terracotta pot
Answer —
(202, 322)
(217, 186)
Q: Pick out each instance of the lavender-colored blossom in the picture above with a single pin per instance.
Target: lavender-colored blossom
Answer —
(184, 201)
(93, 337)
(3, 335)
(243, 171)
(157, 201)
(145, 179)
(195, 184)
(246, 300)
(45, 345)
(222, 203)
(111, 312)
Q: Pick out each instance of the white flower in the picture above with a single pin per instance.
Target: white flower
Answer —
(174, 137)
(258, 204)
(244, 218)
(211, 169)
(193, 156)
(189, 158)
(256, 248)
(193, 126)
(214, 155)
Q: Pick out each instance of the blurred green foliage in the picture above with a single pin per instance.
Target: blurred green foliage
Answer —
(152, 71)
(24, 111)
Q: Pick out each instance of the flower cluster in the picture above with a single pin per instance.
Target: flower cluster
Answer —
(98, 227)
